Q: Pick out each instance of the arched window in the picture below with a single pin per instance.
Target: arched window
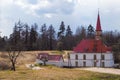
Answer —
(102, 57)
(76, 57)
(84, 57)
(95, 57)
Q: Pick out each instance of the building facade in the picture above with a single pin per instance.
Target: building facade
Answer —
(92, 52)
(91, 59)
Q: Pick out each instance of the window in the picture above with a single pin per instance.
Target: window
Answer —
(76, 64)
(76, 57)
(102, 57)
(84, 64)
(95, 64)
(103, 64)
(95, 57)
(84, 57)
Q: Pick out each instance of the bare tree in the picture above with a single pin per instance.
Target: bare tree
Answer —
(13, 55)
(13, 52)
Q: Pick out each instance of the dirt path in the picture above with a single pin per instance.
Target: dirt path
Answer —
(104, 70)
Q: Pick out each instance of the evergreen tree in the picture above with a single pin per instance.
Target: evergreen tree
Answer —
(51, 36)
(33, 37)
(61, 36)
(68, 39)
(15, 37)
(26, 34)
(44, 38)
(90, 31)
(68, 31)
(61, 30)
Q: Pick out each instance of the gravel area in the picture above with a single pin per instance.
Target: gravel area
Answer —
(103, 70)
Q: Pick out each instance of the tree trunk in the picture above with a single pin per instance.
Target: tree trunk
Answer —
(44, 63)
(13, 66)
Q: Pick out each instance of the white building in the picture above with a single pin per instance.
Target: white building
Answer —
(91, 60)
(56, 60)
(92, 52)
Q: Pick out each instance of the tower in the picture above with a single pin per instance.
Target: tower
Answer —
(98, 28)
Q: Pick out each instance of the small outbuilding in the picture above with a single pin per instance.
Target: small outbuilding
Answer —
(49, 59)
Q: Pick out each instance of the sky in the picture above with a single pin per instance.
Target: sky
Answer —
(73, 12)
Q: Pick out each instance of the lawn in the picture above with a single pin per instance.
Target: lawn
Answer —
(49, 72)
(54, 73)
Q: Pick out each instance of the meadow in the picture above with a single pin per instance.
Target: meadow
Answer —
(50, 72)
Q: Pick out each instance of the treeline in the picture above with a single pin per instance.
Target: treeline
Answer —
(45, 37)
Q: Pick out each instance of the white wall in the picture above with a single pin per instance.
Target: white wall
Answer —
(56, 63)
(108, 62)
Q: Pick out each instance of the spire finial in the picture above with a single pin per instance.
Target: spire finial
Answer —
(98, 25)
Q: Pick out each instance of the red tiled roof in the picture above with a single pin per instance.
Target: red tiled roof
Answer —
(91, 46)
(40, 55)
(50, 57)
(55, 57)
(98, 25)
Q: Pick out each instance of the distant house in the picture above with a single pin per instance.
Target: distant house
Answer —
(92, 52)
(56, 60)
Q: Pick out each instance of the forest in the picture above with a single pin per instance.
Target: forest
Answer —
(34, 37)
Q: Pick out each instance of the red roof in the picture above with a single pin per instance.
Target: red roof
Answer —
(91, 46)
(50, 57)
(98, 25)
(40, 55)
(55, 57)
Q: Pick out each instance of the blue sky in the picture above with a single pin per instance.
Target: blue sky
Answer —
(73, 12)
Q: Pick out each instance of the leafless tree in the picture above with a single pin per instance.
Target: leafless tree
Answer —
(13, 54)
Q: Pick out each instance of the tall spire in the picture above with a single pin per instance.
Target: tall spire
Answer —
(98, 28)
(98, 25)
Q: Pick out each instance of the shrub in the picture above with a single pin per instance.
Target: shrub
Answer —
(4, 65)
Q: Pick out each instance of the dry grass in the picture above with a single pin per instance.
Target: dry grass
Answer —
(54, 73)
(50, 72)
(29, 56)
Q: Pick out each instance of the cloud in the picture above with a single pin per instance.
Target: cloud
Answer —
(72, 12)
(5, 26)
(43, 7)
(4, 3)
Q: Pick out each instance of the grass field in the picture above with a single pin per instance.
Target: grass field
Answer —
(50, 72)
(54, 73)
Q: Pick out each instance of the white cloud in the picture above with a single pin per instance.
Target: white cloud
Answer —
(4, 3)
(73, 12)
(43, 7)
(5, 26)
(48, 15)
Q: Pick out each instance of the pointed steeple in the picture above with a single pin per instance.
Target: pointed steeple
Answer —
(98, 25)
(98, 28)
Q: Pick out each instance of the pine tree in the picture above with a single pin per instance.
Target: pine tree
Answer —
(33, 37)
(51, 36)
(68, 31)
(61, 30)
(90, 31)
(61, 36)
(68, 39)
(44, 38)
